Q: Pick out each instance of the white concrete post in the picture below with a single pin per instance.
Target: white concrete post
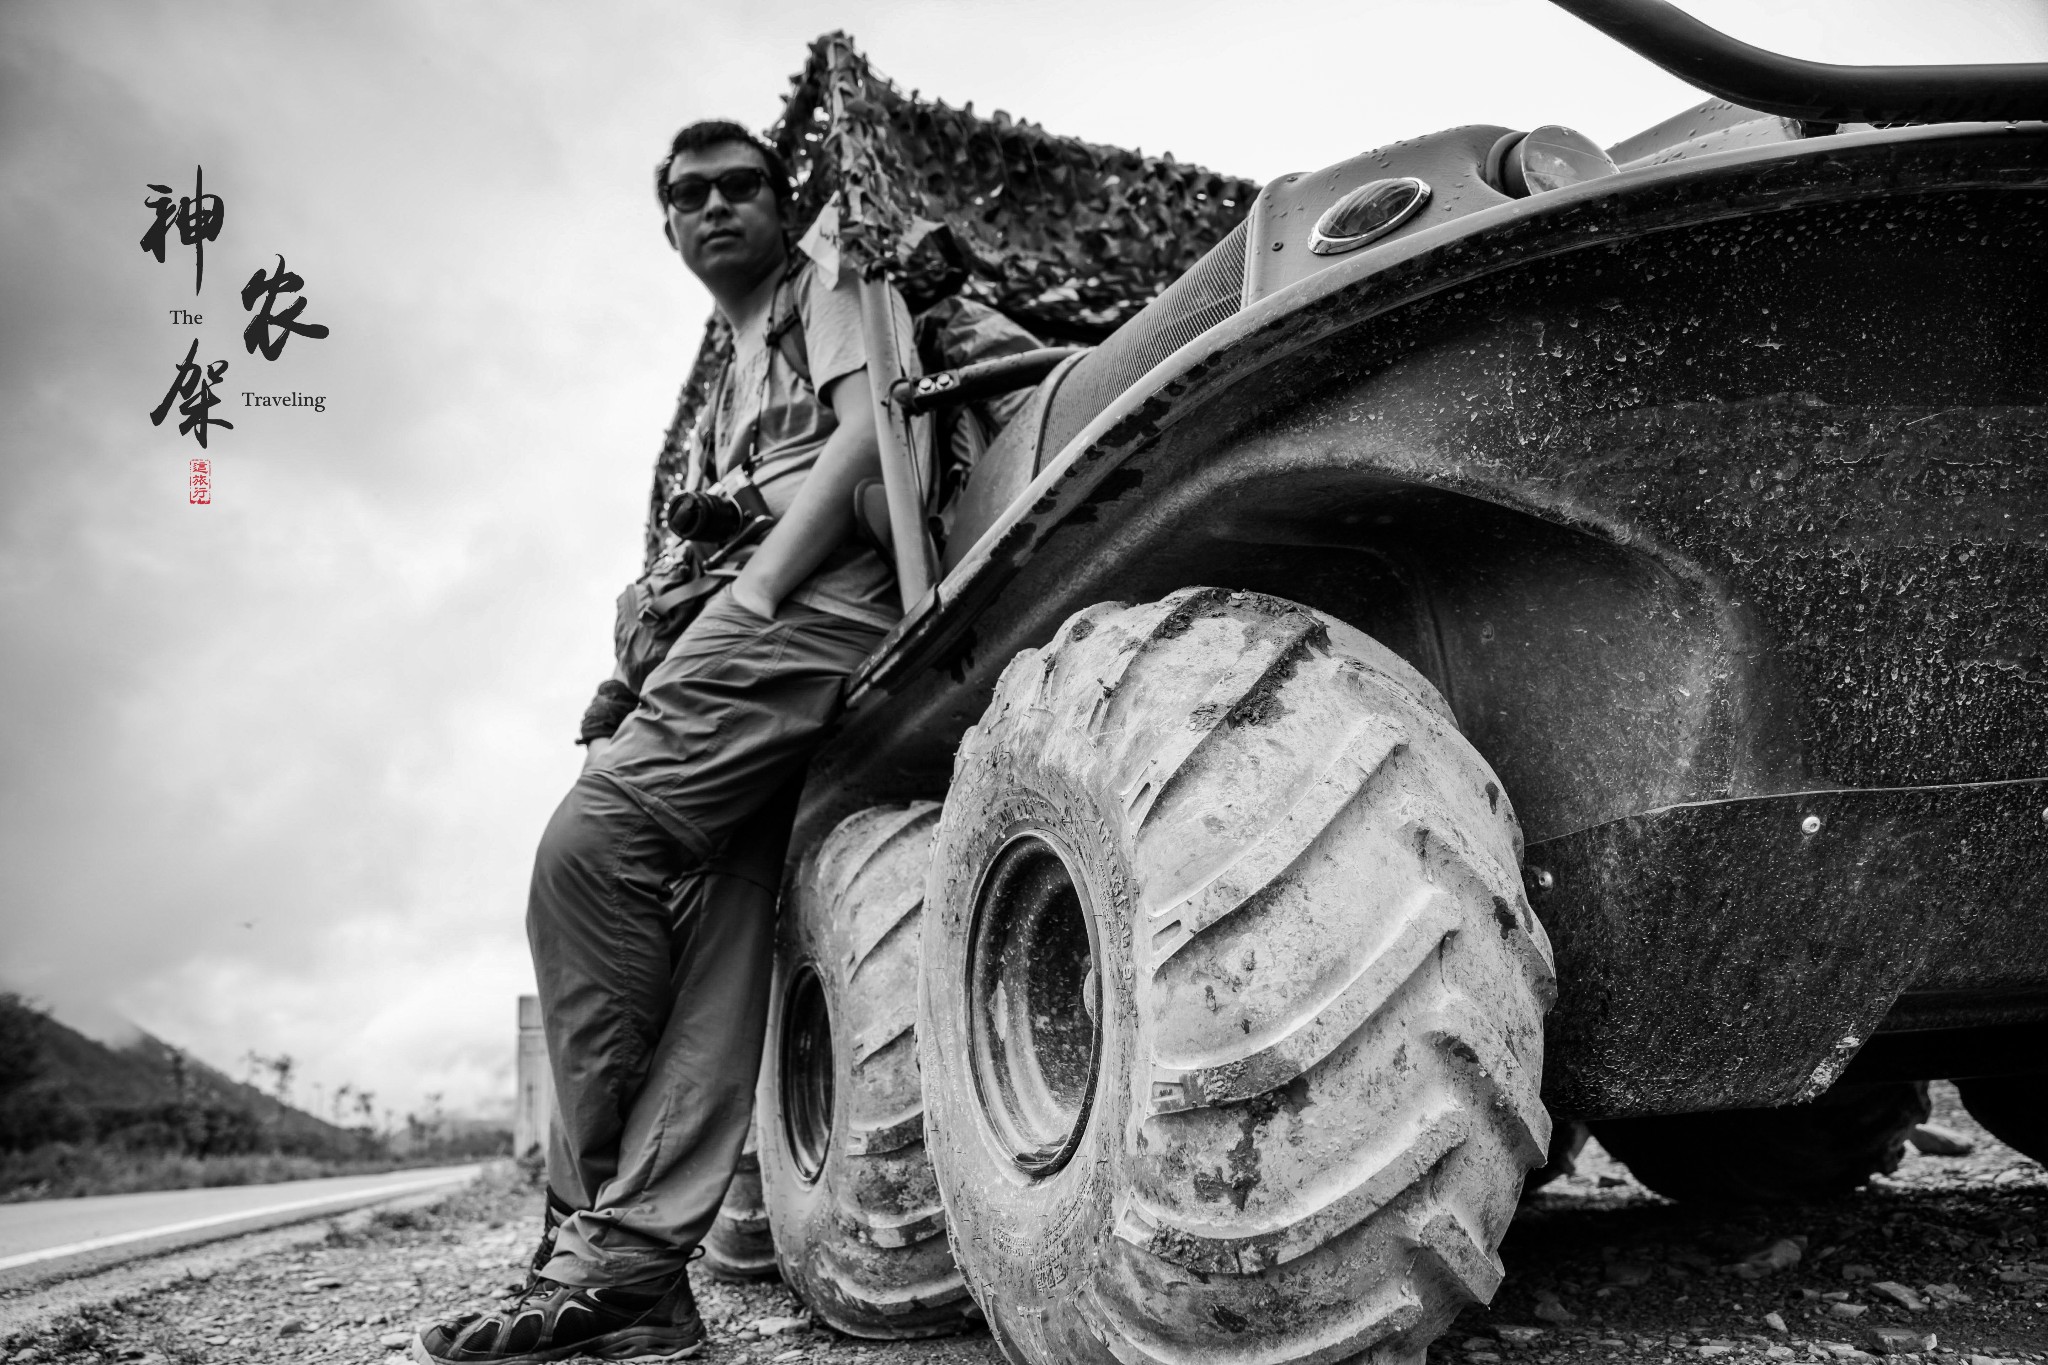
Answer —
(536, 1105)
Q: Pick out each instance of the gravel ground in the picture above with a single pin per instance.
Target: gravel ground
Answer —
(1599, 1269)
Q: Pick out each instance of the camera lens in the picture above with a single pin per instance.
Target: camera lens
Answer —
(704, 516)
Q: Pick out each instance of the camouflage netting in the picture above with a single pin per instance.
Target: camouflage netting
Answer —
(1070, 238)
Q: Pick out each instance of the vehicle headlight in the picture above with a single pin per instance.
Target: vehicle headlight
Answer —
(1367, 214)
(1548, 158)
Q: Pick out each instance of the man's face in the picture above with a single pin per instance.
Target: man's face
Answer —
(727, 245)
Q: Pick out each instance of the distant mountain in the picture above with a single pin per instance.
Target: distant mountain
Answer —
(145, 1072)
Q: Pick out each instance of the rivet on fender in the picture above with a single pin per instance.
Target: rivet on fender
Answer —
(1543, 877)
(1811, 824)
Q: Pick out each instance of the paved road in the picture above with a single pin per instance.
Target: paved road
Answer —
(64, 1235)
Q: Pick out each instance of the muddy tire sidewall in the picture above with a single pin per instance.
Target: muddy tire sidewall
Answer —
(1047, 1229)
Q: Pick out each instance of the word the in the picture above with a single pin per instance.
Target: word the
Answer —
(181, 318)
(294, 399)
(197, 217)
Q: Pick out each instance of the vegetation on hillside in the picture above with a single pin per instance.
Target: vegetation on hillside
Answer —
(78, 1117)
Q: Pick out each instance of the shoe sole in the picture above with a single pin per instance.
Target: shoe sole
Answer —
(632, 1343)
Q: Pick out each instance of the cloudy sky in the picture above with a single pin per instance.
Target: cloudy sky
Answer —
(271, 770)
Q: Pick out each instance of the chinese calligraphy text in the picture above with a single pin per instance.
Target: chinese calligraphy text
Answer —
(197, 217)
(192, 391)
(268, 331)
(273, 298)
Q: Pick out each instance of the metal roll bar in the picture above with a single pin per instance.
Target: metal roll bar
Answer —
(916, 559)
(1816, 92)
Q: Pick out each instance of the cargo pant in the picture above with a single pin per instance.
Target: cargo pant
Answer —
(651, 919)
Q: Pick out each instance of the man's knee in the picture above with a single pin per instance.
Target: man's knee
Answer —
(597, 843)
(582, 828)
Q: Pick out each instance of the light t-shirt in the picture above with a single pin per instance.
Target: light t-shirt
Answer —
(770, 410)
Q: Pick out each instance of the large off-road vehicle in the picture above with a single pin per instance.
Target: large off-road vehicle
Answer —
(1495, 632)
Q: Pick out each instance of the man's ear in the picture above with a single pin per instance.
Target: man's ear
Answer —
(668, 230)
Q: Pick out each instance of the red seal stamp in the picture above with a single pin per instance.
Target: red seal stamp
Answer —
(199, 483)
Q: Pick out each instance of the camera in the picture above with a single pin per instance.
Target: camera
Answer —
(710, 517)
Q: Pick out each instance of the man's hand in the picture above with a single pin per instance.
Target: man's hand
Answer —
(821, 518)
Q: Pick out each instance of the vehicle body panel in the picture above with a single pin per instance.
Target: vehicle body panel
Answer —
(1722, 481)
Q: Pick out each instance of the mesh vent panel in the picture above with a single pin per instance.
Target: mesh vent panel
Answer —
(1185, 309)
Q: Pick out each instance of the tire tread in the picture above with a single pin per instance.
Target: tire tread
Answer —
(1255, 759)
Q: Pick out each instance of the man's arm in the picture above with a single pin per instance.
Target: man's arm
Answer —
(821, 518)
(818, 521)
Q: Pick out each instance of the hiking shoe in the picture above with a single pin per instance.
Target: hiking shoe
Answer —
(551, 1321)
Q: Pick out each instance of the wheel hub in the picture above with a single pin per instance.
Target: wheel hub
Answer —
(1034, 1003)
(807, 1072)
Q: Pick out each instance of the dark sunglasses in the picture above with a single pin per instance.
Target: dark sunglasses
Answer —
(691, 192)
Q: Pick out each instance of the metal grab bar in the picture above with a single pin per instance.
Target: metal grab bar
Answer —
(1004, 374)
(1816, 92)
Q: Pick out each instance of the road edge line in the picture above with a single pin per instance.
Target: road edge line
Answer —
(217, 1220)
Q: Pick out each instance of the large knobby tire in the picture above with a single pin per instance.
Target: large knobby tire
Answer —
(858, 1226)
(739, 1246)
(1788, 1155)
(2013, 1109)
(1231, 1000)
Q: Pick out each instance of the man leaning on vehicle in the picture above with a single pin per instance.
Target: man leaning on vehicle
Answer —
(655, 1002)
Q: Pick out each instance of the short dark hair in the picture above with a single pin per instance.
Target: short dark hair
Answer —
(717, 132)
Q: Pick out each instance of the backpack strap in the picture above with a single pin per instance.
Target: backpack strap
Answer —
(785, 322)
